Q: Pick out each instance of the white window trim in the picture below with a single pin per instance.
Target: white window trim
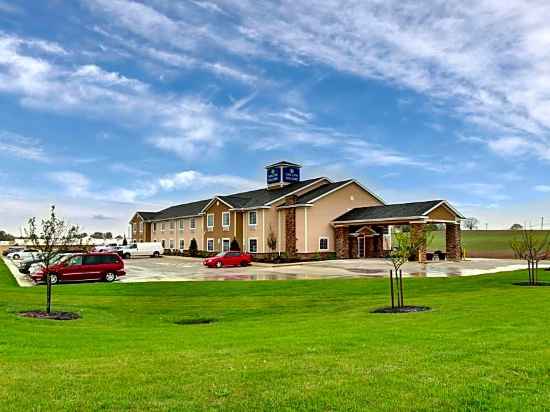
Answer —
(192, 223)
(208, 243)
(181, 225)
(229, 248)
(226, 227)
(249, 214)
(140, 227)
(213, 221)
(180, 245)
(162, 227)
(319, 244)
(249, 248)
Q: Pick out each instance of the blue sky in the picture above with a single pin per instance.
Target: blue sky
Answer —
(109, 106)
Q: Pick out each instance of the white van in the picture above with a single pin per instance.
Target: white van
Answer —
(152, 249)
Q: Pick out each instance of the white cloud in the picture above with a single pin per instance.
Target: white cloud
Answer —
(542, 188)
(192, 178)
(22, 147)
(73, 183)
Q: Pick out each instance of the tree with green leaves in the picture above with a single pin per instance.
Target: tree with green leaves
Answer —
(50, 237)
(533, 248)
(404, 245)
(5, 236)
(193, 248)
(271, 240)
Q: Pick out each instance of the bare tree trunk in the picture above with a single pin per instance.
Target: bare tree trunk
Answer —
(391, 289)
(529, 271)
(401, 304)
(48, 293)
(536, 273)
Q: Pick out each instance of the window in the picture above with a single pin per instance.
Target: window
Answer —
(182, 244)
(226, 245)
(192, 224)
(323, 243)
(134, 227)
(210, 221)
(210, 245)
(75, 261)
(253, 245)
(154, 227)
(141, 227)
(92, 260)
(172, 225)
(163, 243)
(252, 218)
(182, 224)
(171, 243)
(226, 220)
(162, 226)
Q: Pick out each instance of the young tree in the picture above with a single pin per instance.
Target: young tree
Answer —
(51, 236)
(470, 223)
(235, 245)
(193, 248)
(404, 246)
(533, 249)
(271, 240)
(125, 241)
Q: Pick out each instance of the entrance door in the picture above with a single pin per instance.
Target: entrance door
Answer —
(361, 246)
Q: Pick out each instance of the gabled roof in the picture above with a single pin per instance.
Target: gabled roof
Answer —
(283, 163)
(395, 211)
(146, 215)
(320, 191)
(186, 209)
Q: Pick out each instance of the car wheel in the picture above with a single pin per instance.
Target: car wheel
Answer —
(156, 254)
(127, 256)
(244, 263)
(16, 257)
(219, 264)
(53, 279)
(110, 277)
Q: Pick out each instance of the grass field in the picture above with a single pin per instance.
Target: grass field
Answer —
(283, 345)
(483, 243)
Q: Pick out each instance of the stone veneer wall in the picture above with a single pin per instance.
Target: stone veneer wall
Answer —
(453, 239)
(290, 227)
(342, 242)
(418, 231)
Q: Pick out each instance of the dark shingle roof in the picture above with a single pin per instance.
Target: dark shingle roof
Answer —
(389, 211)
(320, 191)
(147, 215)
(186, 209)
(260, 197)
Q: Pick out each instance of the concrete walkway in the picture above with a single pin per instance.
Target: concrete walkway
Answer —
(19, 277)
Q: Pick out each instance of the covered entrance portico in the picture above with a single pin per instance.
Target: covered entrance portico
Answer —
(367, 232)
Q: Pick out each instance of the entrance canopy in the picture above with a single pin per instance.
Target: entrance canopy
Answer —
(366, 225)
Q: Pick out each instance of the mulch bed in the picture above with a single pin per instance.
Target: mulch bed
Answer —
(38, 314)
(198, 321)
(529, 284)
(404, 309)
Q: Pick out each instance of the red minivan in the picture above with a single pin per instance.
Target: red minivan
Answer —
(228, 259)
(85, 266)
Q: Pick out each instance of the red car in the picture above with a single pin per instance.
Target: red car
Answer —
(228, 259)
(85, 266)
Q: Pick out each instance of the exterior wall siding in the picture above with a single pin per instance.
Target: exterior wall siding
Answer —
(218, 233)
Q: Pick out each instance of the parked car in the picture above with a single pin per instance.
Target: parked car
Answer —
(105, 248)
(152, 249)
(23, 254)
(35, 266)
(228, 259)
(12, 249)
(84, 266)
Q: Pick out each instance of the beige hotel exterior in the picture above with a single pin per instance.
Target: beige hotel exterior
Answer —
(304, 217)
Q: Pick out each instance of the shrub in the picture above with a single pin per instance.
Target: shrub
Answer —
(235, 245)
(193, 248)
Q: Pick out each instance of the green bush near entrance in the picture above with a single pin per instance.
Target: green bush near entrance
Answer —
(277, 345)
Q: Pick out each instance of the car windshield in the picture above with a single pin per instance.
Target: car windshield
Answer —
(220, 254)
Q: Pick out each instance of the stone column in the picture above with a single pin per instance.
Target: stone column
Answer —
(378, 241)
(453, 238)
(342, 242)
(354, 248)
(290, 227)
(418, 232)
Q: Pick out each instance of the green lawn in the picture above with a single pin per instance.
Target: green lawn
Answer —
(483, 243)
(283, 345)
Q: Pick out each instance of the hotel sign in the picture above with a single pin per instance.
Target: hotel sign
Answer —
(291, 174)
(273, 175)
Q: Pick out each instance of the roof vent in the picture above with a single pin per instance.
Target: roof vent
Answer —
(282, 173)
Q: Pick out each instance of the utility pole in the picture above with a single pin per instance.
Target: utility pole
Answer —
(542, 223)
(486, 226)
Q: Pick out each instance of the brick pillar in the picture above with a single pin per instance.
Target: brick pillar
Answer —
(342, 242)
(290, 227)
(354, 248)
(378, 242)
(453, 237)
(417, 232)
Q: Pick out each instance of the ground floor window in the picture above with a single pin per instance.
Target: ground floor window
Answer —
(210, 245)
(226, 244)
(253, 245)
(171, 244)
(163, 242)
(182, 244)
(323, 243)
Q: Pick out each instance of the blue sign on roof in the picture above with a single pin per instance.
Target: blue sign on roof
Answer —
(291, 174)
(273, 175)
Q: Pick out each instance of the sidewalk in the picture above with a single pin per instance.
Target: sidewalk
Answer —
(20, 278)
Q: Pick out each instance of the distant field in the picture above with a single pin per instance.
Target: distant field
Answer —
(483, 243)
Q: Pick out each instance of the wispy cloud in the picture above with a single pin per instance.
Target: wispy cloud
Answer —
(22, 147)
(542, 188)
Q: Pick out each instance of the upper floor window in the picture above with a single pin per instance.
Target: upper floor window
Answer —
(162, 226)
(192, 223)
(210, 221)
(134, 227)
(252, 218)
(154, 227)
(172, 225)
(182, 224)
(226, 219)
(141, 227)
